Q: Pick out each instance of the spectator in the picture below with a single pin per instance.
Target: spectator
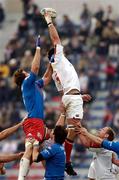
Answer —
(4, 70)
(116, 121)
(94, 84)
(109, 32)
(110, 71)
(26, 60)
(85, 21)
(50, 117)
(109, 14)
(67, 27)
(84, 80)
(2, 15)
(13, 65)
(108, 118)
(23, 28)
(99, 14)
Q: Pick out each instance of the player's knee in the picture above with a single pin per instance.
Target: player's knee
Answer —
(71, 132)
(28, 151)
(35, 159)
(35, 151)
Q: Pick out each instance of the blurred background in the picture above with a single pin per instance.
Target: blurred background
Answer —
(89, 31)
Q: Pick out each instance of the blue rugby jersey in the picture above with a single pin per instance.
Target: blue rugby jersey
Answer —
(32, 96)
(111, 145)
(55, 162)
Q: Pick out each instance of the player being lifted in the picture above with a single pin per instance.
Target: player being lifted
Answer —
(33, 125)
(67, 83)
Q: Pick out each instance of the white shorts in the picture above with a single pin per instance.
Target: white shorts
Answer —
(73, 105)
(91, 171)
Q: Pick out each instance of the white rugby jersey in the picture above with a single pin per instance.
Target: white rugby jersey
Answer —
(64, 74)
(102, 159)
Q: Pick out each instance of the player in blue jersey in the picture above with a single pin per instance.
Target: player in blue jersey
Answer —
(55, 155)
(33, 125)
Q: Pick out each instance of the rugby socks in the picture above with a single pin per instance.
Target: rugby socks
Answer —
(68, 148)
(24, 168)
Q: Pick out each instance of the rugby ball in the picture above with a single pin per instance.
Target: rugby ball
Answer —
(51, 11)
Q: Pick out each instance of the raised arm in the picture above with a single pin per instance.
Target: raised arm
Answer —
(7, 132)
(48, 75)
(36, 60)
(95, 141)
(52, 30)
(86, 138)
(61, 120)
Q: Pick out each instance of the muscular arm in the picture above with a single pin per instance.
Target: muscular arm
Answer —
(87, 138)
(36, 60)
(7, 132)
(61, 120)
(52, 30)
(94, 139)
(10, 157)
(48, 75)
(84, 140)
(54, 35)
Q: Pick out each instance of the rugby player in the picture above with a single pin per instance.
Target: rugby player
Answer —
(103, 160)
(105, 143)
(32, 95)
(67, 83)
(114, 171)
(54, 155)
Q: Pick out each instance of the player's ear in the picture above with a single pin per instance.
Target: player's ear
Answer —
(106, 136)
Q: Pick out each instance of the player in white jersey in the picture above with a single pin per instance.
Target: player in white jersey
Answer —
(92, 172)
(101, 167)
(103, 159)
(67, 83)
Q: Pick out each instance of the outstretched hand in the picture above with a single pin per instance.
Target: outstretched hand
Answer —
(47, 17)
(80, 130)
(20, 155)
(78, 127)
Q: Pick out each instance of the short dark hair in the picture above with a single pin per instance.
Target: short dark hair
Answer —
(111, 134)
(50, 53)
(19, 76)
(60, 134)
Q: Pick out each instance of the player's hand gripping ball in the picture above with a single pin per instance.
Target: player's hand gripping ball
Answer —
(50, 11)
